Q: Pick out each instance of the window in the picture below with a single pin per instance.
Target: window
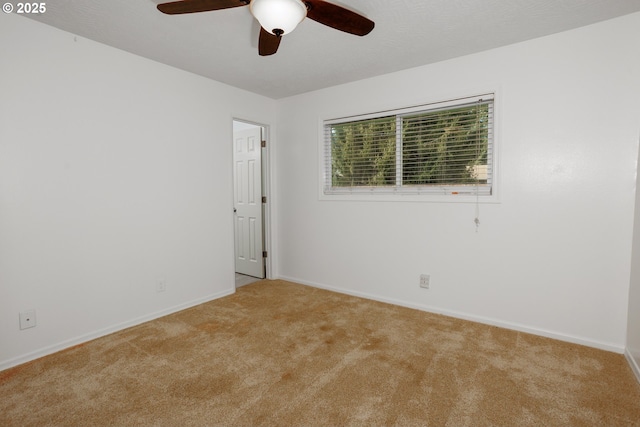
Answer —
(444, 148)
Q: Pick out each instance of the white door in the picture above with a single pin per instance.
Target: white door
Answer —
(247, 171)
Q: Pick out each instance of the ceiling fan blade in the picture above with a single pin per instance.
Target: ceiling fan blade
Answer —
(338, 17)
(268, 43)
(192, 6)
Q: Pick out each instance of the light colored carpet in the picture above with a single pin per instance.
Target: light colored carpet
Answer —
(282, 354)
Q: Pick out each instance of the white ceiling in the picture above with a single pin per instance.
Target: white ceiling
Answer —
(222, 45)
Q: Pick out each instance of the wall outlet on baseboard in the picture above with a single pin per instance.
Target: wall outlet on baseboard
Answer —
(424, 281)
(27, 319)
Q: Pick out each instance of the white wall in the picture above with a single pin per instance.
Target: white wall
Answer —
(633, 321)
(115, 173)
(553, 257)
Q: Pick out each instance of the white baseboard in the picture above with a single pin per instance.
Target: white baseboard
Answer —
(633, 363)
(464, 316)
(109, 330)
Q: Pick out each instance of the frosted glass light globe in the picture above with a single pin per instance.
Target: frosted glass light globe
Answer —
(278, 17)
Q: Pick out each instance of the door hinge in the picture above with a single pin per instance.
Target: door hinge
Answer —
(263, 144)
(264, 254)
(264, 199)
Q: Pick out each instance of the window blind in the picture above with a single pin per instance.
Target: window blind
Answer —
(444, 148)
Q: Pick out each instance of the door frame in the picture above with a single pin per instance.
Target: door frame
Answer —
(266, 192)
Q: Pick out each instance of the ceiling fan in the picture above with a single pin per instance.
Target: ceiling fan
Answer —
(279, 17)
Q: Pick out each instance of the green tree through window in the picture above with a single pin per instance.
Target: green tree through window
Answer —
(447, 147)
(363, 153)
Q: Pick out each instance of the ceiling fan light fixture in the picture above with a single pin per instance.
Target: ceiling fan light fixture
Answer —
(278, 17)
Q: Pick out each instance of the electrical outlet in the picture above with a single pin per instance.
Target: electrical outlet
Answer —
(27, 319)
(161, 286)
(424, 281)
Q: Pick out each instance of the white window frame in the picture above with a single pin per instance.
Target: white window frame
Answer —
(444, 194)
